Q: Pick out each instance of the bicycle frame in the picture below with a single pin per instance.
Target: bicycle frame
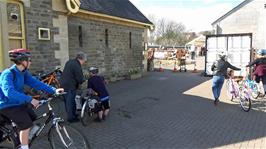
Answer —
(51, 79)
(55, 121)
(50, 117)
(234, 88)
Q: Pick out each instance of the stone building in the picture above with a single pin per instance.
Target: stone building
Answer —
(248, 17)
(112, 32)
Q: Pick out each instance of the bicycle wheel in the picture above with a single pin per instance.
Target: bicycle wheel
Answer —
(230, 94)
(9, 141)
(64, 136)
(245, 102)
(86, 114)
(255, 91)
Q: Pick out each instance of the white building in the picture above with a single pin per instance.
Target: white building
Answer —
(248, 17)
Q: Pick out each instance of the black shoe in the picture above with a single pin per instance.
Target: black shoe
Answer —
(97, 119)
(104, 117)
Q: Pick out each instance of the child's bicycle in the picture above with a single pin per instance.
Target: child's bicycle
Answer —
(238, 89)
(256, 88)
(89, 109)
(60, 135)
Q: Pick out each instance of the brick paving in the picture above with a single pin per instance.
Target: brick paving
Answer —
(174, 110)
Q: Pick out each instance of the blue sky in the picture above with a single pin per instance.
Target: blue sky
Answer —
(196, 15)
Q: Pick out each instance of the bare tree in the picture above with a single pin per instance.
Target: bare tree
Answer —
(168, 32)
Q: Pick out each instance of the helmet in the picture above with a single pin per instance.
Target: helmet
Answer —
(261, 52)
(19, 55)
(93, 70)
(222, 54)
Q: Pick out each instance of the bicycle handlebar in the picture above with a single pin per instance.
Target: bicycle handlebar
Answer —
(43, 101)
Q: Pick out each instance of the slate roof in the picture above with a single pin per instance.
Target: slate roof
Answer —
(232, 11)
(119, 8)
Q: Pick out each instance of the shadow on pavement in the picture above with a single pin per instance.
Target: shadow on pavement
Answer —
(153, 112)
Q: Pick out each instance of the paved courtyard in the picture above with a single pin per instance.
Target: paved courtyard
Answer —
(166, 110)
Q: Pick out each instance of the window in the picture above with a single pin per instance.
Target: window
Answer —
(15, 21)
(80, 36)
(130, 42)
(44, 33)
(106, 37)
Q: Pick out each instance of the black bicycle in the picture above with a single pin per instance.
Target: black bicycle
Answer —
(60, 135)
(89, 109)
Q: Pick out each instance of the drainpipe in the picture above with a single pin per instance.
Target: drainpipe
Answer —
(4, 43)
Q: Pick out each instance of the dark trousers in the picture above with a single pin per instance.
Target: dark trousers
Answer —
(70, 104)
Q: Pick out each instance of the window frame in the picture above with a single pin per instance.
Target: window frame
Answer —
(22, 23)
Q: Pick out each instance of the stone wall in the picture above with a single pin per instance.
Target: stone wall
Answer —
(117, 56)
(39, 13)
(249, 19)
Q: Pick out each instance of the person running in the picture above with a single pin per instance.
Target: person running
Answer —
(219, 69)
(97, 84)
(14, 103)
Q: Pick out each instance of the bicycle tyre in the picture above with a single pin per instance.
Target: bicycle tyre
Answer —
(76, 139)
(255, 91)
(9, 141)
(229, 94)
(245, 103)
(86, 114)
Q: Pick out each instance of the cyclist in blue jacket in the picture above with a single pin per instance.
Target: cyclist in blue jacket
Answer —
(14, 103)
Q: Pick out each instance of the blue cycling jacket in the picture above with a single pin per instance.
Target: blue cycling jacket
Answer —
(11, 89)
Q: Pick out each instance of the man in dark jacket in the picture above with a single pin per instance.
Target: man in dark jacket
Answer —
(219, 69)
(71, 78)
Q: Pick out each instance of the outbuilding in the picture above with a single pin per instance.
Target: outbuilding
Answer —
(248, 17)
(112, 32)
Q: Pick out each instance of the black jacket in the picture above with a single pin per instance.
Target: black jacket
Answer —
(257, 61)
(220, 67)
(72, 75)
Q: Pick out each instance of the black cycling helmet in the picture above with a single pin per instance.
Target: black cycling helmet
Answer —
(19, 55)
(93, 70)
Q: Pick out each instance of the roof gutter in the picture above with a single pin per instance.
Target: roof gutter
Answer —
(146, 25)
(231, 11)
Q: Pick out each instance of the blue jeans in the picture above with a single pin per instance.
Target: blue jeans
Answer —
(217, 84)
(70, 104)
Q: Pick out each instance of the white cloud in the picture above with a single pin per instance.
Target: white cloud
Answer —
(195, 19)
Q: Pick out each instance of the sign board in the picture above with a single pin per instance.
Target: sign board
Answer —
(237, 46)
